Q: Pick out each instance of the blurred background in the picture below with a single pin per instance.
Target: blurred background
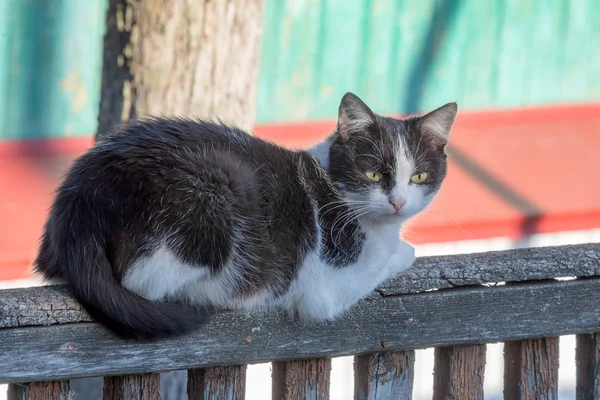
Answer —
(524, 150)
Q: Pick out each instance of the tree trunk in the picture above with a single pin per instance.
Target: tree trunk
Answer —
(195, 58)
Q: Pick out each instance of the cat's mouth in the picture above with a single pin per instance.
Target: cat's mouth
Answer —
(388, 216)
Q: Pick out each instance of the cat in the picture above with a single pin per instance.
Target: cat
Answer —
(166, 220)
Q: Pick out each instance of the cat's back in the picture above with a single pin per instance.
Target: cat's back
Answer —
(182, 138)
(180, 156)
(168, 147)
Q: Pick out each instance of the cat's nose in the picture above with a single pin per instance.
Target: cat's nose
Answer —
(397, 203)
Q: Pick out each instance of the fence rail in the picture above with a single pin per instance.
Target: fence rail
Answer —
(454, 303)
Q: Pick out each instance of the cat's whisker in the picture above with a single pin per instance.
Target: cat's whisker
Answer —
(377, 158)
(353, 216)
(378, 148)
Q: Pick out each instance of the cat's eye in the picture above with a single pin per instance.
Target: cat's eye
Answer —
(419, 178)
(374, 176)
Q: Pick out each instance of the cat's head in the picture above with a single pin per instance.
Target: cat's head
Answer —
(389, 169)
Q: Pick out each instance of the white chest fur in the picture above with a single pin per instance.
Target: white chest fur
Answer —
(322, 291)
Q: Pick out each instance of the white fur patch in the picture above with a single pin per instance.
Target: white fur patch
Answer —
(161, 275)
(321, 151)
(323, 292)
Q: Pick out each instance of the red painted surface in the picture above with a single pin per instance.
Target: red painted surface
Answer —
(547, 156)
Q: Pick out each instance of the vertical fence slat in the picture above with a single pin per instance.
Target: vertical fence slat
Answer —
(301, 379)
(132, 387)
(588, 367)
(15, 392)
(50, 390)
(459, 372)
(222, 383)
(531, 369)
(386, 375)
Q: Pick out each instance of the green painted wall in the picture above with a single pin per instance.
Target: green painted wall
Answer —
(50, 64)
(399, 55)
(406, 55)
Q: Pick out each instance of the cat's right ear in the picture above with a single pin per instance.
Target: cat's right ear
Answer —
(439, 122)
(353, 116)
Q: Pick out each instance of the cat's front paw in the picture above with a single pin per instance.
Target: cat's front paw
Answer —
(403, 258)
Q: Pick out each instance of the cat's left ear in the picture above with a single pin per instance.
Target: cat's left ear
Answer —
(353, 116)
(439, 121)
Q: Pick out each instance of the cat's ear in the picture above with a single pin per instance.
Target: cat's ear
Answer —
(439, 121)
(353, 116)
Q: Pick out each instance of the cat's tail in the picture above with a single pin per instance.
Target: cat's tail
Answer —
(94, 284)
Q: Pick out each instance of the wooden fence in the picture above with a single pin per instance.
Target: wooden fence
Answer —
(456, 304)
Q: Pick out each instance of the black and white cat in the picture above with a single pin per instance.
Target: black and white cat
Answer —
(166, 220)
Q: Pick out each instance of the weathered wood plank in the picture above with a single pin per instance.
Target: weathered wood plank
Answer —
(45, 305)
(588, 367)
(432, 319)
(52, 390)
(16, 391)
(531, 369)
(301, 379)
(500, 266)
(132, 387)
(217, 383)
(53, 305)
(385, 375)
(459, 372)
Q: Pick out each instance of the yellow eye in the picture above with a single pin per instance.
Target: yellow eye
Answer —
(374, 176)
(419, 178)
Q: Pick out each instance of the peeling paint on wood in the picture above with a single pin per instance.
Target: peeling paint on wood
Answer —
(588, 367)
(301, 379)
(217, 383)
(459, 372)
(386, 375)
(531, 369)
(132, 387)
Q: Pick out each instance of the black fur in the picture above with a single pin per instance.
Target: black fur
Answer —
(192, 184)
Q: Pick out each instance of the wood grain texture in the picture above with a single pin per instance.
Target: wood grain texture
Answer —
(385, 375)
(588, 367)
(444, 272)
(51, 390)
(132, 387)
(301, 379)
(531, 369)
(45, 305)
(431, 319)
(174, 57)
(459, 372)
(53, 304)
(217, 383)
